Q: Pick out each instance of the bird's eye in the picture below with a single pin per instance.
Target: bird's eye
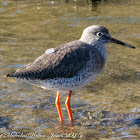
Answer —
(99, 34)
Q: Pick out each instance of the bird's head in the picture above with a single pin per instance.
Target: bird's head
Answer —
(99, 35)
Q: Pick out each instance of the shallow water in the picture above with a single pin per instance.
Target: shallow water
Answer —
(107, 108)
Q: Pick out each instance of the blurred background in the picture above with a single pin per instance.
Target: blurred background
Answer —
(107, 108)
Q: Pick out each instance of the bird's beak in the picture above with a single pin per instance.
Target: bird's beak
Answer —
(113, 40)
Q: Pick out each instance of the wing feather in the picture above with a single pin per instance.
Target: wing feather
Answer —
(65, 62)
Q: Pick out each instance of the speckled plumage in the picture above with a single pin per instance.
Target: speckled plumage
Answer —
(69, 66)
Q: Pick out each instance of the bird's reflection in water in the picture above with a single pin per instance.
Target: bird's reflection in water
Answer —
(65, 128)
(68, 130)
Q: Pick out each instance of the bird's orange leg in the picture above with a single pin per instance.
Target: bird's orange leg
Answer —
(68, 106)
(58, 106)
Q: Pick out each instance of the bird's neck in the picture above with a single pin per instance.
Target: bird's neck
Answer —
(102, 50)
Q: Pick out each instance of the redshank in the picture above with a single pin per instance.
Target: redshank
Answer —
(70, 66)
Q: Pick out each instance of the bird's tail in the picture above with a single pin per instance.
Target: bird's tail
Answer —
(10, 75)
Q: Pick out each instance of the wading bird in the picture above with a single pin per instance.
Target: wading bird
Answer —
(70, 66)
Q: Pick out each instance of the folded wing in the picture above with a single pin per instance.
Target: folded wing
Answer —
(64, 62)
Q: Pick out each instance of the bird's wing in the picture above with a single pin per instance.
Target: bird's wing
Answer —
(64, 61)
